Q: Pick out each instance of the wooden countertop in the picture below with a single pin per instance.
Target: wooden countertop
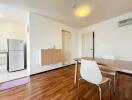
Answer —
(116, 65)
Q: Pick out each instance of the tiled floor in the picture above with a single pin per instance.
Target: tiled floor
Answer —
(7, 76)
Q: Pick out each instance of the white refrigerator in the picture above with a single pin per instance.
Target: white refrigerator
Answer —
(15, 56)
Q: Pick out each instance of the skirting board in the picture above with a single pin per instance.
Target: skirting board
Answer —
(14, 83)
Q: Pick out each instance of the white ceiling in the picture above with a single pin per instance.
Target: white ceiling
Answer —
(62, 10)
(12, 14)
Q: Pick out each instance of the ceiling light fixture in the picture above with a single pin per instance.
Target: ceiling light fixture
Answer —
(82, 11)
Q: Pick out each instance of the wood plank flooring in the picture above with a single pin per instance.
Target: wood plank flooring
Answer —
(55, 85)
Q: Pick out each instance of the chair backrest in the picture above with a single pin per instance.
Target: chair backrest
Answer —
(90, 71)
(109, 57)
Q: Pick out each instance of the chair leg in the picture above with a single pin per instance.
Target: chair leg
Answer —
(78, 89)
(100, 94)
(109, 89)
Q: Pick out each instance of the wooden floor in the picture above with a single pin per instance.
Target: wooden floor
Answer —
(55, 85)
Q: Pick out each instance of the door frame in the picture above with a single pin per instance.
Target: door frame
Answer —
(93, 44)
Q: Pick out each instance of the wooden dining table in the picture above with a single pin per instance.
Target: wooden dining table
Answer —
(109, 64)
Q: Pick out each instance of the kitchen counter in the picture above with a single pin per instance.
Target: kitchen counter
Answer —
(3, 51)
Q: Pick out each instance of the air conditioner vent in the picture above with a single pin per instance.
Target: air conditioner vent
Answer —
(125, 22)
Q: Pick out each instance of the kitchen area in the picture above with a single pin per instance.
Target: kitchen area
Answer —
(13, 45)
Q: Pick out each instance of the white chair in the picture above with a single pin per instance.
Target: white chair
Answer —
(90, 72)
(108, 71)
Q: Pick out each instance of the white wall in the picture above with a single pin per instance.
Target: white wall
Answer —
(12, 30)
(111, 39)
(45, 33)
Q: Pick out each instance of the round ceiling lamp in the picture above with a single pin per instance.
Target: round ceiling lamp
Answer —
(82, 11)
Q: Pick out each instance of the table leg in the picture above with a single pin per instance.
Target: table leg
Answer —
(76, 72)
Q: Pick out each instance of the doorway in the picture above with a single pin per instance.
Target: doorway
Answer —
(88, 44)
(66, 47)
(13, 28)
